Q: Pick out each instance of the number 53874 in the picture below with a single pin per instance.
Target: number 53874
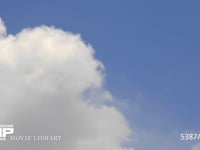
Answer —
(189, 136)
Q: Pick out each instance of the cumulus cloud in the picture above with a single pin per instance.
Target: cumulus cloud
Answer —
(51, 84)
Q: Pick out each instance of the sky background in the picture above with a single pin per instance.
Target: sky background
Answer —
(151, 53)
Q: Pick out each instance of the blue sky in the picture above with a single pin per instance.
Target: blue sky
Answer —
(150, 50)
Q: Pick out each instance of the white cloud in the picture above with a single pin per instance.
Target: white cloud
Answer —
(44, 74)
(2, 28)
(196, 146)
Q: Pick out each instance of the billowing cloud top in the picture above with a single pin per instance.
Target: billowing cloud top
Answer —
(45, 73)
